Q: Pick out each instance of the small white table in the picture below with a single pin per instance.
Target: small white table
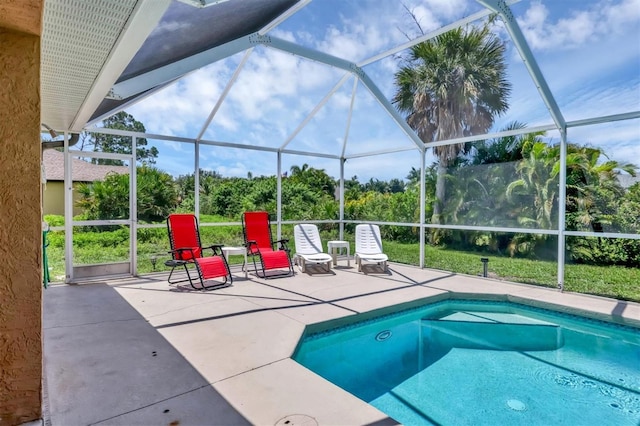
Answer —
(334, 247)
(228, 250)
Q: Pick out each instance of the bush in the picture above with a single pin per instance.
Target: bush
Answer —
(54, 220)
(109, 199)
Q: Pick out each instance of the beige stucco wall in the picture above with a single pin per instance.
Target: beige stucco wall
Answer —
(53, 199)
(20, 217)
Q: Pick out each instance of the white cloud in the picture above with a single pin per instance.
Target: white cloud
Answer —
(620, 140)
(603, 100)
(580, 26)
(182, 108)
(382, 167)
(626, 12)
(448, 9)
(233, 169)
(425, 18)
(353, 42)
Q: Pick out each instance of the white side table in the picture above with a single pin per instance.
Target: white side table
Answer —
(228, 250)
(334, 247)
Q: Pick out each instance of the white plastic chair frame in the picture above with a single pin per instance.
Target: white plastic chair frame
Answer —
(369, 246)
(309, 247)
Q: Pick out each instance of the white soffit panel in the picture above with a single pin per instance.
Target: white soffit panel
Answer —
(78, 40)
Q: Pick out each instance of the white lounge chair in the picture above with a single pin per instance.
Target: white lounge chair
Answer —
(369, 246)
(309, 247)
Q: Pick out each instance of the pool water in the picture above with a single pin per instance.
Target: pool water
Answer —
(484, 363)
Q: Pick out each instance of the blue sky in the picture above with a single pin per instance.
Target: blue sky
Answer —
(588, 51)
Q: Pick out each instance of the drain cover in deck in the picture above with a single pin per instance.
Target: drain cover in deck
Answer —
(297, 420)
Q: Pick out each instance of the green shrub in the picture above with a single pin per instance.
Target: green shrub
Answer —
(54, 220)
(117, 238)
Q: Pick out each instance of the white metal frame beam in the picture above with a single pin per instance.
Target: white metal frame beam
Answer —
(511, 24)
(334, 61)
(395, 115)
(206, 142)
(138, 84)
(142, 21)
(134, 100)
(430, 35)
(315, 110)
(349, 116)
(225, 92)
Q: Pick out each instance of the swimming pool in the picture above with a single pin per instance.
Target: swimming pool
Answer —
(477, 362)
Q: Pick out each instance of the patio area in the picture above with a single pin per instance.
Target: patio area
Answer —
(136, 351)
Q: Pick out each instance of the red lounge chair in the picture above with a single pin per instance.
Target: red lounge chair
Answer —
(256, 227)
(186, 249)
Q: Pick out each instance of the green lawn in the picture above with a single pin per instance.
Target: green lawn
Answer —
(610, 281)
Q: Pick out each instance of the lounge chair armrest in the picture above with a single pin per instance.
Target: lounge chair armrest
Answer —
(216, 248)
(177, 253)
(283, 243)
(252, 246)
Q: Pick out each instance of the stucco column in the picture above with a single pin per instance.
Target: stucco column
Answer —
(20, 214)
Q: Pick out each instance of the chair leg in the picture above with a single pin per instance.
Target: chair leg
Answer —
(190, 280)
(255, 266)
(290, 271)
(218, 285)
(186, 271)
(174, 264)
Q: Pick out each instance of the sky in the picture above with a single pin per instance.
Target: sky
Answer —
(587, 50)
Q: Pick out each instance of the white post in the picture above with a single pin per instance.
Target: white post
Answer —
(342, 160)
(196, 180)
(279, 196)
(422, 203)
(562, 203)
(133, 208)
(68, 212)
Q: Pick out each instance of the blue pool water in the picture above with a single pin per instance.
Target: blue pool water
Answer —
(484, 363)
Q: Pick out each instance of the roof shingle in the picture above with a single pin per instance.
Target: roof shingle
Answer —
(82, 171)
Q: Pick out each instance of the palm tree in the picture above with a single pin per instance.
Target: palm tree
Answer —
(536, 190)
(593, 189)
(450, 87)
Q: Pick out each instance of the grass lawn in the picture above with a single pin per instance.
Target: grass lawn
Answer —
(610, 281)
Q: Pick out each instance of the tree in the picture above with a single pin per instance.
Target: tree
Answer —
(121, 144)
(315, 179)
(413, 177)
(450, 87)
(109, 199)
(536, 189)
(593, 189)
(505, 149)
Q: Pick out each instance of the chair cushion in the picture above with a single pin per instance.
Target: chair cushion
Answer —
(274, 259)
(211, 267)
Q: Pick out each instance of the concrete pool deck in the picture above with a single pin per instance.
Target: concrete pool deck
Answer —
(138, 351)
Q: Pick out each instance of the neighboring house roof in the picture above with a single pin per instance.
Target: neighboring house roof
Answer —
(82, 171)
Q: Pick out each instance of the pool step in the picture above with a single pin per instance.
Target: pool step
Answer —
(491, 330)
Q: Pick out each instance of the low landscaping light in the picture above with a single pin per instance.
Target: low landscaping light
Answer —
(485, 266)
